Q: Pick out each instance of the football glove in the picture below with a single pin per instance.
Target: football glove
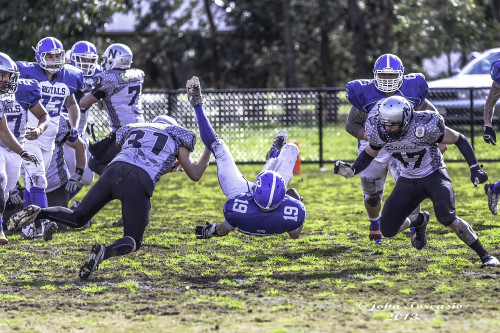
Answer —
(15, 196)
(73, 135)
(194, 91)
(206, 231)
(72, 184)
(477, 175)
(489, 135)
(344, 169)
(27, 156)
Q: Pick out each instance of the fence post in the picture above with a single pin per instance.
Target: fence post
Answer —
(320, 124)
(471, 94)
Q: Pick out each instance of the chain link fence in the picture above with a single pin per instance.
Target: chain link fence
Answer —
(248, 119)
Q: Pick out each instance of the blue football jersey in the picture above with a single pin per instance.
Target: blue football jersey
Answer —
(16, 111)
(495, 71)
(243, 213)
(364, 95)
(66, 82)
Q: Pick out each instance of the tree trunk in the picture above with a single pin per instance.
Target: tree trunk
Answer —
(290, 75)
(213, 42)
(359, 45)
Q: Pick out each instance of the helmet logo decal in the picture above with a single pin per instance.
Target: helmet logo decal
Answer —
(271, 196)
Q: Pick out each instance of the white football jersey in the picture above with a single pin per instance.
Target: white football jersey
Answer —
(122, 91)
(417, 150)
(153, 146)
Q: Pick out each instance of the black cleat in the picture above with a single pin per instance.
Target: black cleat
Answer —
(48, 230)
(96, 256)
(278, 143)
(419, 237)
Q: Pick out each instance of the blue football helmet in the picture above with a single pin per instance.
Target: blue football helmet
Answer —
(269, 190)
(8, 67)
(50, 45)
(388, 64)
(164, 119)
(394, 110)
(84, 56)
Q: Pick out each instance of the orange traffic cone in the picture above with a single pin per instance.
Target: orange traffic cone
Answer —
(297, 170)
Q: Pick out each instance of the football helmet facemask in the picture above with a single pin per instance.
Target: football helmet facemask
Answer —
(8, 68)
(268, 190)
(388, 64)
(117, 56)
(394, 110)
(84, 57)
(46, 46)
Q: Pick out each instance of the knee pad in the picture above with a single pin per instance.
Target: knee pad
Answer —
(444, 216)
(373, 200)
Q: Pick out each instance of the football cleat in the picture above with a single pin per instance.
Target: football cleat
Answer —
(49, 228)
(194, 91)
(96, 256)
(376, 235)
(23, 216)
(489, 261)
(278, 143)
(3, 239)
(492, 198)
(419, 236)
(29, 232)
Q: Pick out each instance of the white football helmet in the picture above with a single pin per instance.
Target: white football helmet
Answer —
(394, 110)
(388, 64)
(9, 68)
(117, 56)
(164, 119)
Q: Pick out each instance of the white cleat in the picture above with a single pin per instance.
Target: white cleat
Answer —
(23, 217)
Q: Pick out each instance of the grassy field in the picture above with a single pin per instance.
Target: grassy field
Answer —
(330, 280)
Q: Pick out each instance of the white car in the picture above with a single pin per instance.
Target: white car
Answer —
(451, 96)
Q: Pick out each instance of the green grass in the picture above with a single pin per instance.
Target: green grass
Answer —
(331, 279)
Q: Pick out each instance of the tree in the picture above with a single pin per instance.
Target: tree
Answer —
(25, 22)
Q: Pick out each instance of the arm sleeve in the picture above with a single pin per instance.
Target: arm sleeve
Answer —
(466, 149)
(362, 162)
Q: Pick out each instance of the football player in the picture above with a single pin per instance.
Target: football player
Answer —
(17, 96)
(365, 95)
(412, 138)
(119, 87)
(59, 83)
(148, 151)
(492, 190)
(84, 56)
(263, 207)
(63, 179)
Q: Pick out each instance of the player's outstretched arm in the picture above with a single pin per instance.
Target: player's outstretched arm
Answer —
(489, 135)
(8, 138)
(478, 176)
(210, 230)
(362, 162)
(355, 123)
(194, 170)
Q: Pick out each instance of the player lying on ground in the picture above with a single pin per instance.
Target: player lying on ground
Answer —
(262, 207)
(148, 151)
(413, 139)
